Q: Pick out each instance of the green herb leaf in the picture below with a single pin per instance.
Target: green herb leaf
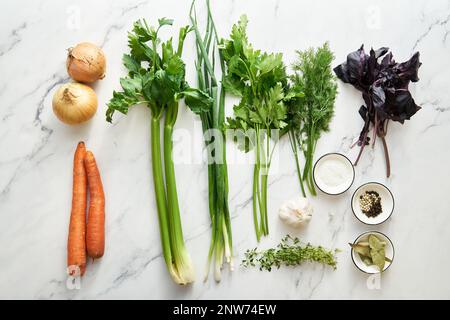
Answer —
(197, 100)
(131, 64)
(310, 104)
(160, 83)
(120, 102)
(269, 62)
(165, 22)
(239, 34)
(132, 86)
(289, 252)
(141, 32)
(260, 80)
(233, 86)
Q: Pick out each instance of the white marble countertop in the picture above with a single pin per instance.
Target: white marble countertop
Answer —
(37, 150)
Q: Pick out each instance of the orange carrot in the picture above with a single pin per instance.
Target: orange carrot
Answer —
(95, 236)
(76, 245)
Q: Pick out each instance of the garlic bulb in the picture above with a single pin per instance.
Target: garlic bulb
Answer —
(74, 103)
(296, 212)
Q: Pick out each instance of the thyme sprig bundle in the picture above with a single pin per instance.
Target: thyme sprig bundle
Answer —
(290, 252)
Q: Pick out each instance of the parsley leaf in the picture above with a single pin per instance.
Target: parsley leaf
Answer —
(261, 82)
(258, 78)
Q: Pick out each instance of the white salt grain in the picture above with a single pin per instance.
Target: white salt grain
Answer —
(333, 173)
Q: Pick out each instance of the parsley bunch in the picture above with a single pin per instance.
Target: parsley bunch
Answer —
(260, 80)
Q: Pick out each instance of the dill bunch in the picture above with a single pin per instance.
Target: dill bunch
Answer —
(310, 111)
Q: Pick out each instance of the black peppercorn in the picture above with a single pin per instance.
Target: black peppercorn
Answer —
(370, 203)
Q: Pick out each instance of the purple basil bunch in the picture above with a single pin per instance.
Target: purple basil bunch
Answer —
(384, 86)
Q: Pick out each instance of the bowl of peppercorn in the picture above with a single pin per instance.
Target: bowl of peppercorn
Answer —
(372, 203)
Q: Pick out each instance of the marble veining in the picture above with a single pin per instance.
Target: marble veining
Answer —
(37, 150)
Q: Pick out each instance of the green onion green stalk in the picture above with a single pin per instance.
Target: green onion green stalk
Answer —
(213, 120)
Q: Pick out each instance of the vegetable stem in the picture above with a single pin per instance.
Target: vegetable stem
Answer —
(213, 118)
(297, 162)
(183, 262)
(161, 202)
(386, 156)
(160, 83)
(264, 217)
(255, 201)
(311, 110)
(260, 80)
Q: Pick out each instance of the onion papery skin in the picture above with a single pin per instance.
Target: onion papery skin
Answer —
(74, 103)
(86, 63)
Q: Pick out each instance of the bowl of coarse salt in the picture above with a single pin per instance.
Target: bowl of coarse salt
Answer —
(333, 173)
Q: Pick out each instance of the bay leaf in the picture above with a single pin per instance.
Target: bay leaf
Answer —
(366, 260)
(362, 250)
(375, 243)
(378, 257)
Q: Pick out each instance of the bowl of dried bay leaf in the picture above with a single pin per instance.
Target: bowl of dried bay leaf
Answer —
(372, 252)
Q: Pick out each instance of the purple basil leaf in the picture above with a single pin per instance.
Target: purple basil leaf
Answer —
(354, 70)
(384, 85)
(387, 60)
(372, 63)
(363, 112)
(378, 96)
(341, 72)
(381, 52)
(384, 88)
(400, 106)
(363, 138)
(407, 71)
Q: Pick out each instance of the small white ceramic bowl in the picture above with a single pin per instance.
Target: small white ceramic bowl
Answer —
(387, 203)
(344, 162)
(389, 250)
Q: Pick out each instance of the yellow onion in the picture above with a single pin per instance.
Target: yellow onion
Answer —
(86, 63)
(74, 103)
